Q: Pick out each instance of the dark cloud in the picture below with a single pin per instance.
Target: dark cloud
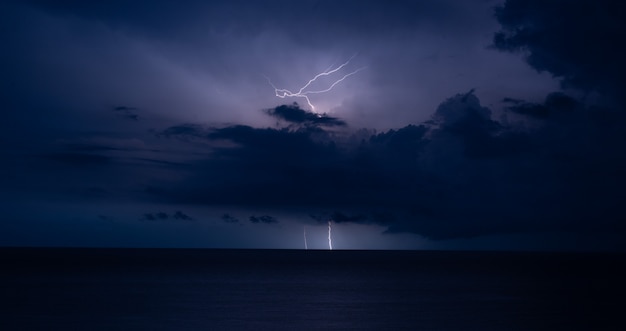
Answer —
(339, 217)
(555, 104)
(462, 174)
(184, 132)
(179, 215)
(229, 219)
(577, 41)
(162, 216)
(148, 217)
(261, 138)
(369, 216)
(482, 137)
(127, 112)
(296, 115)
(265, 219)
(534, 110)
(210, 135)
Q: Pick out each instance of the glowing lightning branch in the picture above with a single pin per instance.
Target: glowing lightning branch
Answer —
(330, 239)
(305, 244)
(302, 93)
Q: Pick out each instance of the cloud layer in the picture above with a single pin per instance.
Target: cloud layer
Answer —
(466, 121)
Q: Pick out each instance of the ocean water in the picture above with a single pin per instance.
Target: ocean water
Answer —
(194, 289)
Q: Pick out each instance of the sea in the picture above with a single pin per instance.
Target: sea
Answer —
(213, 289)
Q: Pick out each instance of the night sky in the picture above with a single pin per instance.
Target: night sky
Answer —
(459, 124)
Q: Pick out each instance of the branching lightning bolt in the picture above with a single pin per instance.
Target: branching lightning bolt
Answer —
(330, 238)
(302, 93)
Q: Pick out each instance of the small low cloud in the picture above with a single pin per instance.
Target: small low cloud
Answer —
(227, 218)
(266, 219)
(163, 216)
(127, 112)
(179, 215)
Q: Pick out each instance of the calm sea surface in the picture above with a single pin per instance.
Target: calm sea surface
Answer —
(189, 289)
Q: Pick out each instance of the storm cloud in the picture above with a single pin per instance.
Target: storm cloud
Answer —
(463, 120)
(295, 115)
(460, 174)
(576, 41)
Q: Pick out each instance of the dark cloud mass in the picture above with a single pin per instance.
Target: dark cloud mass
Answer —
(295, 115)
(555, 104)
(577, 41)
(340, 217)
(447, 134)
(462, 174)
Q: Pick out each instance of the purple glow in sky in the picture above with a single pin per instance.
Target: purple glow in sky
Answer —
(418, 125)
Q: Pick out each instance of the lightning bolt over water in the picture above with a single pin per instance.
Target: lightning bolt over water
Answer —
(330, 238)
(305, 244)
(303, 93)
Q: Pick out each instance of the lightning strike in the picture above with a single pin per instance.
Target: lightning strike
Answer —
(330, 239)
(305, 244)
(303, 93)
